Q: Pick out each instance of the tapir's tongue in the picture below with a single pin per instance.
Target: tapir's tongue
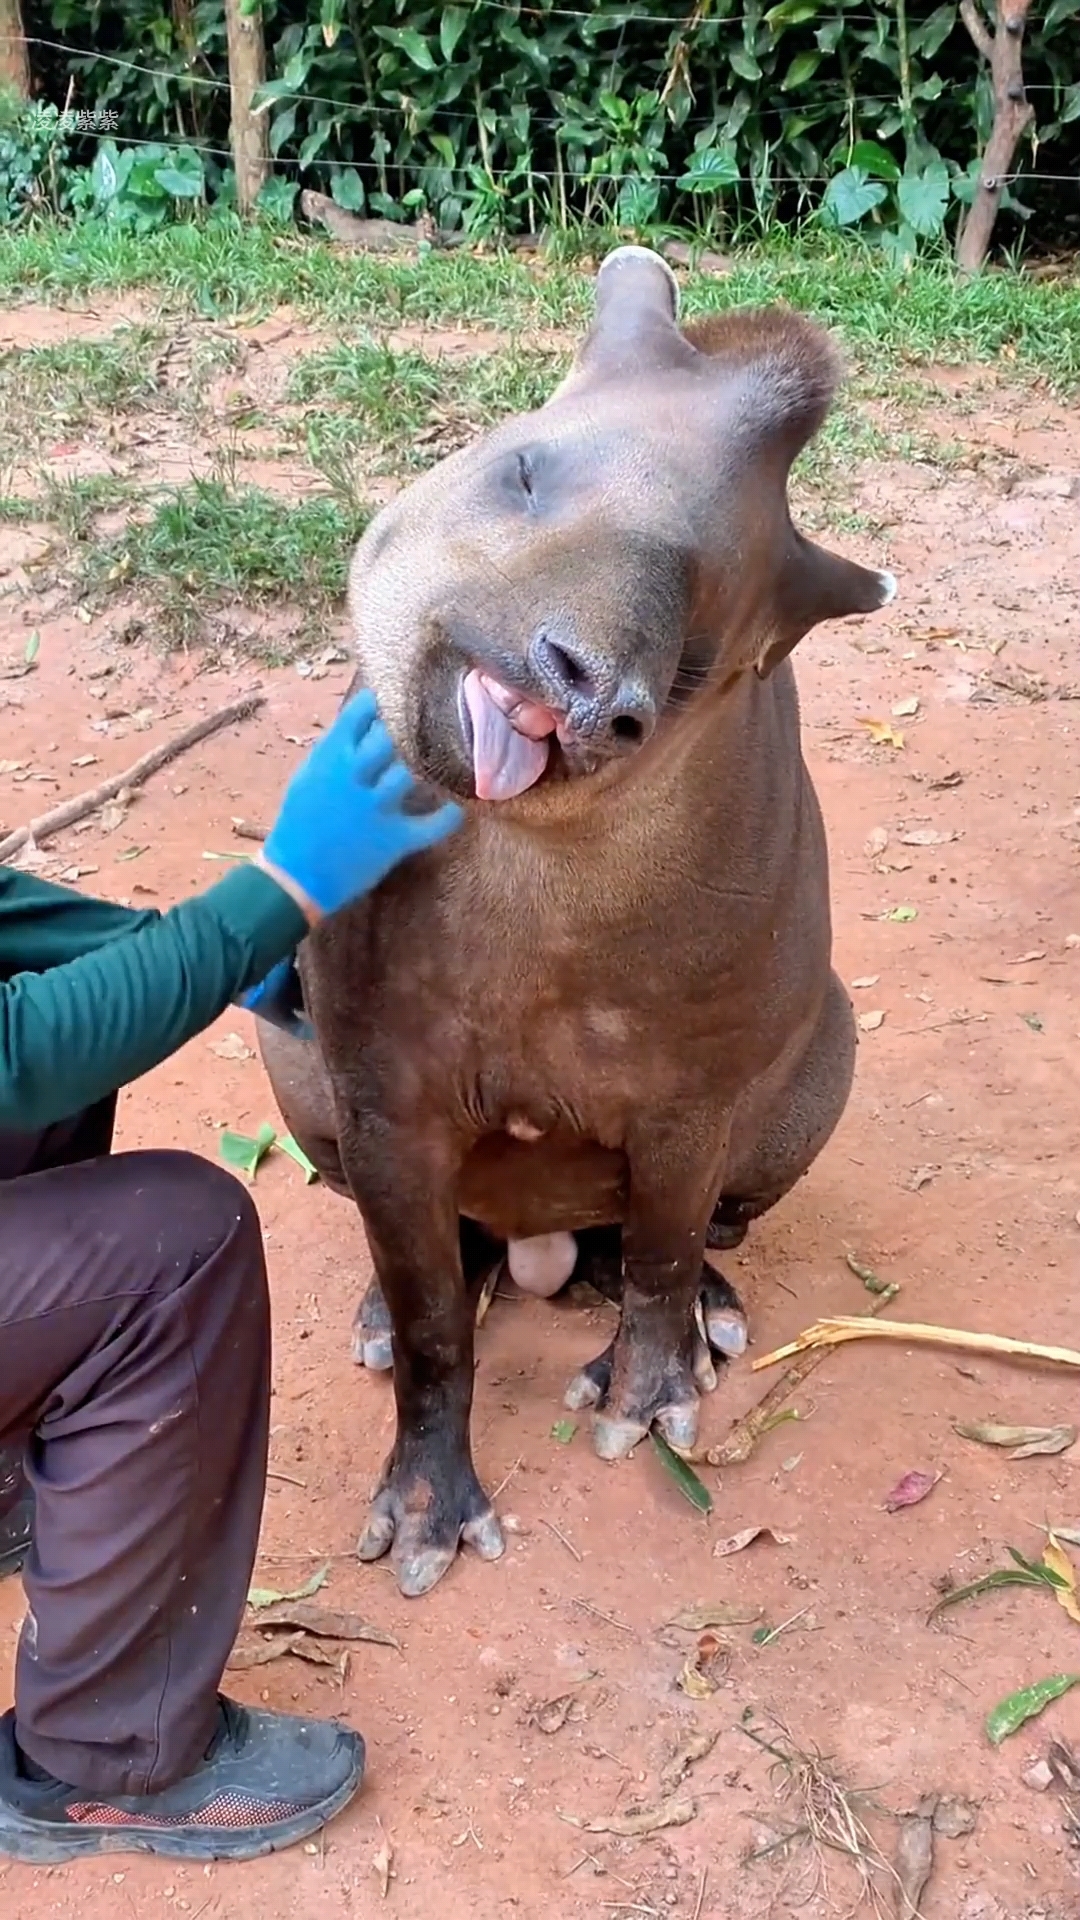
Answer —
(509, 737)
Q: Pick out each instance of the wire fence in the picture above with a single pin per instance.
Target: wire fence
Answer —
(361, 110)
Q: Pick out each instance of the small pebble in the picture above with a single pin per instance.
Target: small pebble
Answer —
(1038, 1776)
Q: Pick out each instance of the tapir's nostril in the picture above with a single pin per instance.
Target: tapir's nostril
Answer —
(561, 668)
(615, 712)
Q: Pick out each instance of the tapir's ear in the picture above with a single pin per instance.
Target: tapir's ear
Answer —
(814, 585)
(635, 328)
(773, 375)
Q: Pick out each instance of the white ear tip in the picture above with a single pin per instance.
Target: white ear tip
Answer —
(614, 259)
(888, 588)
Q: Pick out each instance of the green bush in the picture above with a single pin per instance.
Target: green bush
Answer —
(501, 117)
(34, 174)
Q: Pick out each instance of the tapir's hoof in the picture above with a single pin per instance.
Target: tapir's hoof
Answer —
(420, 1520)
(724, 1317)
(372, 1346)
(614, 1435)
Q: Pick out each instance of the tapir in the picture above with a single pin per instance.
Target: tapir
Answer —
(599, 1026)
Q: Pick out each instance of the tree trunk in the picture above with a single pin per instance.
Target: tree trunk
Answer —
(14, 57)
(1013, 113)
(250, 131)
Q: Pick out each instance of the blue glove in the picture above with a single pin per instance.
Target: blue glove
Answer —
(340, 828)
(280, 1000)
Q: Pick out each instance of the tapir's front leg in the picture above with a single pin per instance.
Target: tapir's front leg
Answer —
(676, 1171)
(428, 1498)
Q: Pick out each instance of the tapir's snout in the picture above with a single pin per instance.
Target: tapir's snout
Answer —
(608, 706)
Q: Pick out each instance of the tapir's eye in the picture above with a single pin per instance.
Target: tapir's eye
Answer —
(525, 475)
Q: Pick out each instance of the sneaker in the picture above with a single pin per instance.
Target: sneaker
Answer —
(267, 1781)
(16, 1529)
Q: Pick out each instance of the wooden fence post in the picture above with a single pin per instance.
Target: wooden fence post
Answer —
(1013, 113)
(14, 57)
(250, 131)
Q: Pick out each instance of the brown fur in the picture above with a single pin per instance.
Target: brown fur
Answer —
(631, 960)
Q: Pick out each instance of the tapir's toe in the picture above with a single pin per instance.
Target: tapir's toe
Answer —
(724, 1316)
(421, 1516)
(589, 1388)
(371, 1343)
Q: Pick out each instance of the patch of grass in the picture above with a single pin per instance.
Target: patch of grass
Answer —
(48, 392)
(409, 407)
(210, 542)
(222, 267)
(14, 510)
(74, 503)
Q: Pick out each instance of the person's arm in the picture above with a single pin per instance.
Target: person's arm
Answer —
(135, 994)
(42, 925)
(141, 987)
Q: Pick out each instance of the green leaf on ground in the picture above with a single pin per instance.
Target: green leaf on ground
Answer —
(239, 1150)
(687, 1481)
(1010, 1714)
(288, 1145)
(563, 1431)
(259, 1597)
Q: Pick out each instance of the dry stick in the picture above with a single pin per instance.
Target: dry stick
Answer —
(835, 1332)
(81, 804)
(1013, 113)
(746, 1432)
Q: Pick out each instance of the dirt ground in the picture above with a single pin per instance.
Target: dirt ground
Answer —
(956, 1174)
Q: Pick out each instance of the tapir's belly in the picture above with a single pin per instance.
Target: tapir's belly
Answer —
(559, 1183)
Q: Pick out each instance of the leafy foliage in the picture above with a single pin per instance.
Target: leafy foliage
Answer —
(501, 117)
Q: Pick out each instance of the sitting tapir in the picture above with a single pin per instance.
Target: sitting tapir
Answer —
(599, 1024)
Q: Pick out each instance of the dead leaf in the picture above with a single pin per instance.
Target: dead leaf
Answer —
(866, 980)
(112, 815)
(1026, 959)
(870, 1022)
(696, 1746)
(905, 709)
(637, 1821)
(258, 1649)
(919, 1178)
(954, 1816)
(325, 1623)
(698, 1678)
(551, 1715)
(926, 837)
(876, 842)
(746, 1538)
(231, 1047)
(1055, 1557)
(383, 1865)
(914, 1858)
(1025, 1442)
(947, 780)
(909, 1491)
(882, 734)
(717, 1613)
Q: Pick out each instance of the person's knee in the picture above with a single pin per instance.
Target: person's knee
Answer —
(201, 1210)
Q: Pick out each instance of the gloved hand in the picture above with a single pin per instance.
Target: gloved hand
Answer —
(340, 828)
(280, 1000)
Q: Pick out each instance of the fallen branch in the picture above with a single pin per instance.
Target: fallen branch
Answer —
(834, 1333)
(746, 1433)
(77, 808)
(1013, 114)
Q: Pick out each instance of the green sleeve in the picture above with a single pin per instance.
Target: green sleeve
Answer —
(138, 989)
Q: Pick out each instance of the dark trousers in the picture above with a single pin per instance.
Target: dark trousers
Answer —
(135, 1383)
